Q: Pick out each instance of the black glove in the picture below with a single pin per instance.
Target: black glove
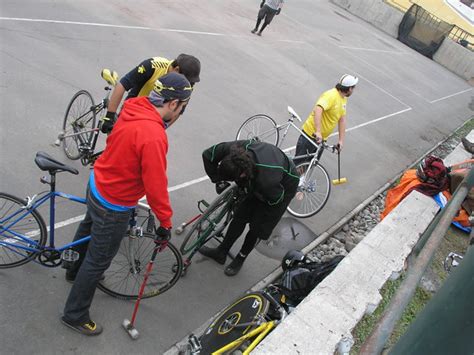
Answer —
(163, 233)
(278, 11)
(108, 122)
(262, 3)
(221, 186)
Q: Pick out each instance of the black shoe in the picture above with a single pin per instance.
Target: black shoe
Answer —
(235, 266)
(259, 33)
(214, 253)
(90, 328)
(254, 30)
(70, 277)
(468, 145)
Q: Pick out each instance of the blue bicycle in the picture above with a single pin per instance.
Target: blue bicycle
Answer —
(23, 238)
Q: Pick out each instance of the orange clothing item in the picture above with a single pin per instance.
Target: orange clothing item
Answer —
(408, 183)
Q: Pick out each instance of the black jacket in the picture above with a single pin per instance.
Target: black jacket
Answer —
(275, 176)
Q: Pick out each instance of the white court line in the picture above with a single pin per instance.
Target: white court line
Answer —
(372, 50)
(448, 96)
(136, 28)
(109, 25)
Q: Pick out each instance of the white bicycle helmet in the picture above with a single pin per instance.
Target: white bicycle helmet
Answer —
(348, 80)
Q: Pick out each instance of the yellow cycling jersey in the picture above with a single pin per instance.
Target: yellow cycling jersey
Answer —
(160, 67)
(334, 107)
(140, 80)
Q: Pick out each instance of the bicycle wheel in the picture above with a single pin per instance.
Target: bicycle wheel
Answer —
(209, 222)
(262, 127)
(313, 190)
(225, 329)
(125, 275)
(19, 228)
(80, 116)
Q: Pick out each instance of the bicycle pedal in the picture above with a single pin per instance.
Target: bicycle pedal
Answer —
(69, 257)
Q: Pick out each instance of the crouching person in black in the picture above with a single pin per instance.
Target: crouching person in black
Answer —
(270, 179)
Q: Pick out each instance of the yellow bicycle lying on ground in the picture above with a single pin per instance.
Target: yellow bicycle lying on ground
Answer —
(241, 326)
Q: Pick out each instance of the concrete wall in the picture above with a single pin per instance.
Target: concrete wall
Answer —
(451, 55)
(325, 319)
(375, 12)
(323, 322)
(456, 58)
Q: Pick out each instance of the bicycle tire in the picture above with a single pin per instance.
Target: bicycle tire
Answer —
(203, 228)
(33, 227)
(259, 126)
(120, 281)
(245, 309)
(80, 115)
(313, 194)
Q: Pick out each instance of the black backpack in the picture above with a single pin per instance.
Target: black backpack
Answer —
(298, 281)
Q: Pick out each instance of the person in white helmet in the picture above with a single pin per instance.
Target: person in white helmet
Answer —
(329, 111)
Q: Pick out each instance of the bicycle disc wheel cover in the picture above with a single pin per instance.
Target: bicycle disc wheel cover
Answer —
(245, 309)
(288, 234)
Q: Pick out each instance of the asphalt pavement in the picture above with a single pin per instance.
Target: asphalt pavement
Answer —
(404, 104)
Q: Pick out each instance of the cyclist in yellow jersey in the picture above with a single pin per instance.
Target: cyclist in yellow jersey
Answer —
(329, 111)
(141, 79)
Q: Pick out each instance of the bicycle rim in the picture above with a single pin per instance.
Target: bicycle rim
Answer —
(80, 116)
(262, 127)
(13, 229)
(313, 191)
(125, 275)
(207, 225)
(223, 330)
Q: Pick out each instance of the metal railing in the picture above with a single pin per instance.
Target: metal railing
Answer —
(377, 340)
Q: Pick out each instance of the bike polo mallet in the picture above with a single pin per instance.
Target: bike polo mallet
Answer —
(339, 181)
(129, 325)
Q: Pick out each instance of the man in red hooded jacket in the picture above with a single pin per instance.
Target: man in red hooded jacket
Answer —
(132, 165)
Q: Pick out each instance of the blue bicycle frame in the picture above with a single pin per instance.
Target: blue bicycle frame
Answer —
(16, 217)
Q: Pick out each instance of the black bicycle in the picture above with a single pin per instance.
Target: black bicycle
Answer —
(211, 222)
(80, 125)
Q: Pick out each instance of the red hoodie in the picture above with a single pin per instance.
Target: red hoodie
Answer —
(134, 161)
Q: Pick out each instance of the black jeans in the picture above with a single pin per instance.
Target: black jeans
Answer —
(261, 218)
(107, 229)
(303, 147)
(267, 13)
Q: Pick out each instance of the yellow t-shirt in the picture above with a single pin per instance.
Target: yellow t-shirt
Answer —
(334, 107)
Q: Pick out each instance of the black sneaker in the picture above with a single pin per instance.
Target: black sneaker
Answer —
(259, 33)
(254, 30)
(90, 328)
(235, 266)
(214, 253)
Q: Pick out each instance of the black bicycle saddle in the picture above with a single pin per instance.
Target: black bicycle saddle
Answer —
(46, 163)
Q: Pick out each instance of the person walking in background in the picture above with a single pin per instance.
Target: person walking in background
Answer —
(268, 10)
